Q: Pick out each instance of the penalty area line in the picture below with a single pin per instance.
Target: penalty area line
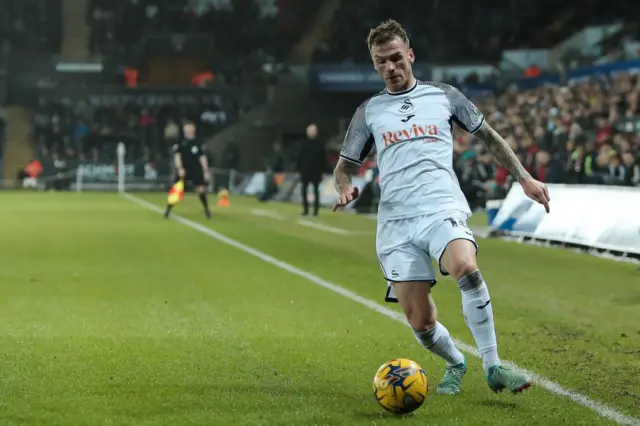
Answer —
(546, 383)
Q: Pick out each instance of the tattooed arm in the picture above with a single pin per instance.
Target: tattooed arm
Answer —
(502, 152)
(358, 142)
(342, 177)
(468, 117)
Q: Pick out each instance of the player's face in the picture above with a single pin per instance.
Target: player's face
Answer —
(189, 131)
(393, 61)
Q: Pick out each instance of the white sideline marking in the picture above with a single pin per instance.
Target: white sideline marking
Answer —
(322, 227)
(302, 222)
(551, 386)
(267, 213)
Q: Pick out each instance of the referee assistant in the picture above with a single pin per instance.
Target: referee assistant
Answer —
(191, 165)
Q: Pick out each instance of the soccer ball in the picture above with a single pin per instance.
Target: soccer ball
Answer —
(400, 386)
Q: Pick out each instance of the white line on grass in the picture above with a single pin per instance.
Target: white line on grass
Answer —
(267, 213)
(322, 227)
(302, 222)
(553, 387)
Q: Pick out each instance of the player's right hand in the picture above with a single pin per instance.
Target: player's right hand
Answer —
(537, 191)
(181, 172)
(346, 197)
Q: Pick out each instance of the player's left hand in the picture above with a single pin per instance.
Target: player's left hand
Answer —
(345, 198)
(537, 191)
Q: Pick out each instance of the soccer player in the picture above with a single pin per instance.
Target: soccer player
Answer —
(191, 165)
(422, 212)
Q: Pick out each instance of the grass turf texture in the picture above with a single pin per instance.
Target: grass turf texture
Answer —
(112, 315)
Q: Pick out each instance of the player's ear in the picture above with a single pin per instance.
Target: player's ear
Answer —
(412, 57)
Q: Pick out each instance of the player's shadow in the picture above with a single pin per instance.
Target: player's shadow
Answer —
(274, 390)
(493, 403)
(372, 416)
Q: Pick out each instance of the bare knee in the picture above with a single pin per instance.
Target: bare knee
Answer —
(463, 267)
(422, 322)
(459, 258)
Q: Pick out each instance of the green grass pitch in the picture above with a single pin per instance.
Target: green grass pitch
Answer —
(111, 315)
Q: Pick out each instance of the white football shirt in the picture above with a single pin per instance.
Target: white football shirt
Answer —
(412, 134)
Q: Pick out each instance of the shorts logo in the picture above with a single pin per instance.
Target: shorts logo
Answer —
(455, 223)
(394, 274)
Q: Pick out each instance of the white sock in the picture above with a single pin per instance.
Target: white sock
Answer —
(478, 314)
(438, 340)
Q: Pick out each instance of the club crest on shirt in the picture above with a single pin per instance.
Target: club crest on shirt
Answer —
(406, 107)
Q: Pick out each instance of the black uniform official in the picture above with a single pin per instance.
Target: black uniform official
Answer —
(312, 163)
(191, 165)
(191, 151)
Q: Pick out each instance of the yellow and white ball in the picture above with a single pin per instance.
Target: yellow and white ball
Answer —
(400, 386)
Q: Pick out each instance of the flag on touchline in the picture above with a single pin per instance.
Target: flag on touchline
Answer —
(176, 194)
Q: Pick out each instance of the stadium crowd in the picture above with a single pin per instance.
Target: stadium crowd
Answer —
(489, 27)
(89, 132)
(571, 134)
(30, 26)
(586, 133)
(269, 27)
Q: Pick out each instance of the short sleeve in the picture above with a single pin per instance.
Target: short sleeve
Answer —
(358, 141)
(464, 113)
(175, 148)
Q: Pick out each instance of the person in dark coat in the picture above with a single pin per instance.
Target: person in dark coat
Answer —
(311, 164)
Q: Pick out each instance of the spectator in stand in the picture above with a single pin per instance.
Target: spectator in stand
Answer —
(632, 169)
(616, 171)
(547, 169)
(204, 78)
(171, 132)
